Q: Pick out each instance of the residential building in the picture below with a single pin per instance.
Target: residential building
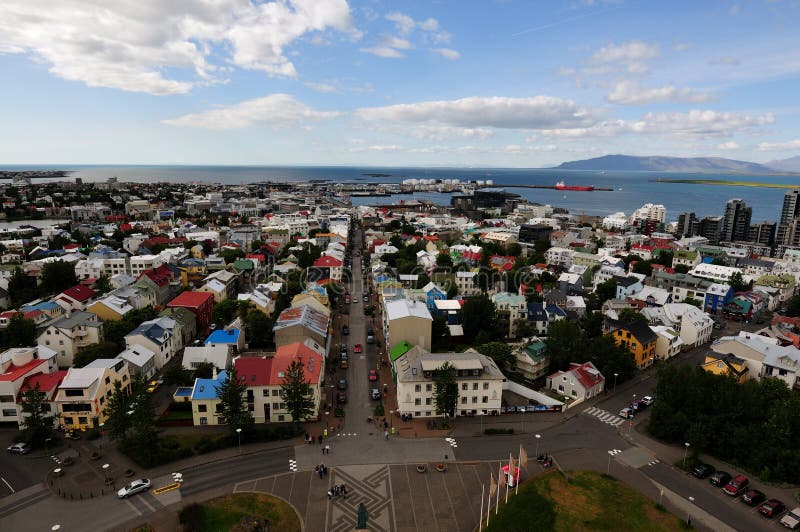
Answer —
(510, 308)
(158, 336)
(727, 365)
(627, 286)
(638, 338)
(141, 361)
(466, 283)
(668, 343)
(432, 294)
(200, 304)
(405, 320)
(532, 360)
(217, 355)
(559, 257)
(298, 323)
(76, 298)
(206, 408)
(791, 206)
(82, 396)
(68, 334)
(185, 325)
(736, 221)
(763, 356)
(46, 383)
(231, 338)
(17, 365)
(579, 382)
(479, 380)
(110, 308)
(541, 315)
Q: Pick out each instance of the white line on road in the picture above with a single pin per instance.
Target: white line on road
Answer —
(133, 507)
(7, 484)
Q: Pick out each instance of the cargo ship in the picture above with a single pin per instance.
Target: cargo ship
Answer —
(561, 186)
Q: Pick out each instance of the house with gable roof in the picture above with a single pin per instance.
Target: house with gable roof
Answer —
(158, 336)
(579, 382)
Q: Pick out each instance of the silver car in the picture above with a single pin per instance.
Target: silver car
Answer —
(136, 486)
(19, 448)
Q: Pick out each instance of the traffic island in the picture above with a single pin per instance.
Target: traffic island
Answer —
(422, 468)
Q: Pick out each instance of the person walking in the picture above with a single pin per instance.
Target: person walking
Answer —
(385, 434)
(330, 494)
(327, 449)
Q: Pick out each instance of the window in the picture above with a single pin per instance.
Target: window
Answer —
(474, 385)
(9, 412)
(281, 417)
(417, 414)
(417, 388)
(108, 380)
(417, 401)
(485, 385)
(474, 399)
(83, 420)
(251, 407)
(574, 393)
(202, 408)
(465, 386)
(274, 393)
(463, 400)
(427, 414)
(428, 401)
(560, 387)
(485, 399)
(428, 387)
(73, 393)
(61, 342)
(264, 393)
(204, 420)
(102, 400)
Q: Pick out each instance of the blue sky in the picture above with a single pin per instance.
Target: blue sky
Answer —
(453, 82)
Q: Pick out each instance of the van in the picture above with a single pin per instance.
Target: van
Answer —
(792, 519)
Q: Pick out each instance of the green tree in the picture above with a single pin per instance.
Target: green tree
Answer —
(643, 267)
(565, 341)
(230, 255)
(793, 306)
(20, 332)
(681, 268)
(694, 302)
(143, 435)
(445, 390)
(175, 374)
(629, 315)
(297, 392)
(21, 288)
(103, 284)
(233, 408)
(440, 332)
(737, 282)
(499, 352)
(444, 261)
(606, 290)
(36, 419)
(258, 329)
(524, 328)
(116, 410)
(225, 311)
(478, 314)
(90, 353)
(204, 370)
(57, 276)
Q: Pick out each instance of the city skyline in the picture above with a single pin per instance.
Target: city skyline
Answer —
(377, 83)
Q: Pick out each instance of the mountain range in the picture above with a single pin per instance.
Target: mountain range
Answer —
(657, 163)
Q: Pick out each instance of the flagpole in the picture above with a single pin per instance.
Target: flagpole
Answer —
(480, 523)
(488, 504)
(497, 504)
(511, 475)
(516, 486)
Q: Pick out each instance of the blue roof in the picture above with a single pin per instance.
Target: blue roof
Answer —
(231, 336)
(555, 309)
(536, 311)
(44, 305)
(207, 388)
(183, 391)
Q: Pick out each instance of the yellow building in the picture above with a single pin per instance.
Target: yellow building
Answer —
(729, 365)
(110, 308)
(193, 271)
(638, 338)
(82, 397)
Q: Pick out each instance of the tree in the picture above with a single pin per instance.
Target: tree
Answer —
(103, 284)
(737, 282)
(20, 332)
(793, 306)
(499, 352)
(444, 262)
(478, 314)
(445, 389)
(440, 332)
(175, 374)
(57, 276)
(296, 392)
(204, 370)
(628, 315)
(694, 302)
(644, 267)
(225, 310)
(142, 435)
(230, 254)
(90, 353)
(21, 288)
(233, 408)
(565, 341)
(606, 290)
(116, 411)
(258, 329)
(37, 421)
(681, 268)
(524, 328)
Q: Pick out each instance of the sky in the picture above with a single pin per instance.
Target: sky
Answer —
(502, 83)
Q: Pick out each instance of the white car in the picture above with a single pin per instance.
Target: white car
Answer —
(626, 413)
(648, 400)
(19, 448)
(136, 486)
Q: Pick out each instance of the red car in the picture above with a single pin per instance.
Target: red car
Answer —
(736, 486)
(771, 508)
(373, 376)
(357, 348)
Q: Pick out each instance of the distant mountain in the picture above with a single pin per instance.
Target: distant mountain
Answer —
(669, 164)
(792, 164)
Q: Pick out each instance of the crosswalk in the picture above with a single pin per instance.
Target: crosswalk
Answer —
(451, 442)
(604, 416)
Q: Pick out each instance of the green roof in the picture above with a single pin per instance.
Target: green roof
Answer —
(536, 350)
(243, 264)
(399, 350)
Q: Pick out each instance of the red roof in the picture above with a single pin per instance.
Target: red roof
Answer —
(71, 246)
(254, 371)
(312, 362)
(257, 256)
(79, 293)
(191, 299)
(643, 247)
(46, 381)
(587, 374)
(159, 276)
(471, 255)
(29, 315)
(17, 372)
(326, 261)
(126, 227)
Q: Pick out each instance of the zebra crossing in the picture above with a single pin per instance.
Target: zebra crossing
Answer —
(604, 416)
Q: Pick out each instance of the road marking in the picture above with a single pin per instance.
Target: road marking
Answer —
(293, 465)
(143, 501)
(615, 452)
(7, 484)
(133, 507)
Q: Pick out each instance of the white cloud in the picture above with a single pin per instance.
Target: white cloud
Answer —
(634, 55)
(631, 93)
(320, 87)
(403, 22)
(695, 124)
(789, 145)
(730, 145)
(383, 51)
(539, 112)
(276, 110)
(447, 53)
(161, 47)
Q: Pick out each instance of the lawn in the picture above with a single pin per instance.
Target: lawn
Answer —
(225, 512)
(590, 501)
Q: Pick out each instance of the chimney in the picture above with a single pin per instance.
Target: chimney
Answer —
(214, 373)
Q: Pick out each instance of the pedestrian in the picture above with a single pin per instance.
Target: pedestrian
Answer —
(324, 470)
(330, 494)
(319, 439)
(386, 434)
(344, 491)
(336, 490)
(385, 424)
(316, 469)
(327, 449)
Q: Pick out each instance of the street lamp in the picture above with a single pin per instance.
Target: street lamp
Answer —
(523, 420)
(105, 472)
(608, 469)
(615, 380)
(538, 437)
(685, 452)
(239, 434)
(327, 421)
(391, 421)
(46, 440)
(688, 517)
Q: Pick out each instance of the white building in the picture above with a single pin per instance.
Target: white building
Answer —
(668, 343)
(560, 257)
(649, 211)
(713, 272)
(615, 222)
(579, 382)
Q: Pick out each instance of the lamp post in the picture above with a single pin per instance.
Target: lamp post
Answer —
(615, 380)
(685, 452)
(538, 437)
(105, 472)
(327, 421)
(391, 421)
(239, 434)
(688, 510)
(608, 469)
(522, 430)
(46, 441)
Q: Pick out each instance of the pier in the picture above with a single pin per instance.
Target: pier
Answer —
(549, 187)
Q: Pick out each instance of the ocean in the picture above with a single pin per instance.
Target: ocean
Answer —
(630, 189)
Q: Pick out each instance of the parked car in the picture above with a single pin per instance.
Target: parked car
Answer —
(345, 330)
(358, 349)
(648, 400)
(342, 384)
(720, 478)
(792, 519)
(370, 336)
(151, 386)
(343, 363)
(375, 393)
(638, 405)
(736, 485)
(702, 470)
(771, 508)
(136, 486)
(341, 397)
(373, 375)
(753, 497)
(19, 448)
(626, 413)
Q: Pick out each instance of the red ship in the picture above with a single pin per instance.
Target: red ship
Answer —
(561, 186)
